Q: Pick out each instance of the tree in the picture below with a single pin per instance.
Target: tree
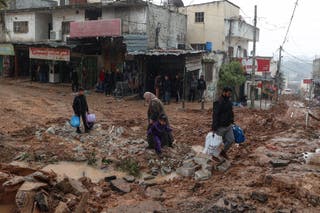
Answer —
(3, 3)
(232, 75)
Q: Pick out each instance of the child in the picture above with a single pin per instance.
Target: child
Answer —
(159, 133)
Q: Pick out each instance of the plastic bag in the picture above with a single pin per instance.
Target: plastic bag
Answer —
(213, 145)
(91, 118)
(238, 133)
(75, 121)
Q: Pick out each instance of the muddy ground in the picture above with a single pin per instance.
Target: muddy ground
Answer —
(251, 184)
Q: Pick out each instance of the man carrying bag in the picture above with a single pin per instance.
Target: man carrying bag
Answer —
(222, 120)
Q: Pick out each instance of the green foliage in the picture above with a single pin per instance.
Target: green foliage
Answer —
(232, 75)
(4, 3)
(130, 166)
(92, 159)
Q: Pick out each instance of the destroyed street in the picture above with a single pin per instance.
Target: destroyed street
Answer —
(46, 165)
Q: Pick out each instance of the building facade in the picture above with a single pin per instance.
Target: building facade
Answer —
(114, 35)
(218, 26)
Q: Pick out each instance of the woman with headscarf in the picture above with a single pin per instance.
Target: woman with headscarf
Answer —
(155, 111)
(155, 108)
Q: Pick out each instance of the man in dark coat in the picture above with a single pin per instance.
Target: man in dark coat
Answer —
(202, 86)
(80, 108)
(178, 88)
(223, 118)
(167, 89)
(74, 79)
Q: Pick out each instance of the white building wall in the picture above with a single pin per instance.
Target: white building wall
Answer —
(133, 18)
(213, 27)
(23, 37)
(59, 16)
(42, 26)
(173, 27)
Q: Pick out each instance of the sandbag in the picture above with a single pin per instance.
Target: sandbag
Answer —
(75, 121)
(213, 144)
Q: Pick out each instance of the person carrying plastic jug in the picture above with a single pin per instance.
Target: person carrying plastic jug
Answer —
(223, 118)
(80, 108)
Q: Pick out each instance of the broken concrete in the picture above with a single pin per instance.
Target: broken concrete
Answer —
(120, 186)
(202, 175)
(259, 196)
(279, 163)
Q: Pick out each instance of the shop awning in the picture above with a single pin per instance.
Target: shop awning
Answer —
(160, 52)
(6, 49)
(54, 54)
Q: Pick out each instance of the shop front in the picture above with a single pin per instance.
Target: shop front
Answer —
(6, 60)
(49, 64)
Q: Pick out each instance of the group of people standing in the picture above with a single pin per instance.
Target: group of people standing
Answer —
(164, 88)
(40, 72)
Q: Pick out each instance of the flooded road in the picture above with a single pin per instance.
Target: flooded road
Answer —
(78, 170)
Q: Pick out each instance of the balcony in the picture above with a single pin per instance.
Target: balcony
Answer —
(239, 29)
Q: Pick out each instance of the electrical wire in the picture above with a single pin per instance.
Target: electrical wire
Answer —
(291, 19)
(297, 58)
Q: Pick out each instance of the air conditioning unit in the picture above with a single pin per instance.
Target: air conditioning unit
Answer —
(55, 35)
(52, 35)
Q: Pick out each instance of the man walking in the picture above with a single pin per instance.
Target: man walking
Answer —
(223, 118)
(74, 79)
(80, 108)
(193, 88)
(167, 89)
(178, 88)
(202, 86)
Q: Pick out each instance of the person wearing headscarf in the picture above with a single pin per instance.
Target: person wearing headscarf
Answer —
(155, 108)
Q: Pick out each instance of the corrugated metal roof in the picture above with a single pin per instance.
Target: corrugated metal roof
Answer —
(160, 52)
(43, 43)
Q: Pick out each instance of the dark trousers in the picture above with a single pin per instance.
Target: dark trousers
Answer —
(84, 121)
(75, 86)
(192, 95)
(178, 95)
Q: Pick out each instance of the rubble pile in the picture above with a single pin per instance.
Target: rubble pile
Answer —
(39, 191)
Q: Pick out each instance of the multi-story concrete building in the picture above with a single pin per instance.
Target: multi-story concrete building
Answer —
(217, 28)
(95, 34)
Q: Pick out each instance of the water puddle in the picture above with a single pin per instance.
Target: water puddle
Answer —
(7, 208)
(77, 170)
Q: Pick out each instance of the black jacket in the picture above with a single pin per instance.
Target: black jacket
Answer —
(222, 115)
(167, 85)
(80, 105)
(202, 84)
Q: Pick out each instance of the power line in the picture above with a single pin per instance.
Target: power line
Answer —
(294, 10)
(297, 58)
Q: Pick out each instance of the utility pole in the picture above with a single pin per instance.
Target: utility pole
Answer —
(278, 73)
(253, 79)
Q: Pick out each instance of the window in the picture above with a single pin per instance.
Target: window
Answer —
(65, 28)
(199, 46)
(20, 27)
(199, 17)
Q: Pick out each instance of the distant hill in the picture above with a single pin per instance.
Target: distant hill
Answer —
(296, 70)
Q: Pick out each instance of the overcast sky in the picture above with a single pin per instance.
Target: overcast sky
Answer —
(273, 19)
